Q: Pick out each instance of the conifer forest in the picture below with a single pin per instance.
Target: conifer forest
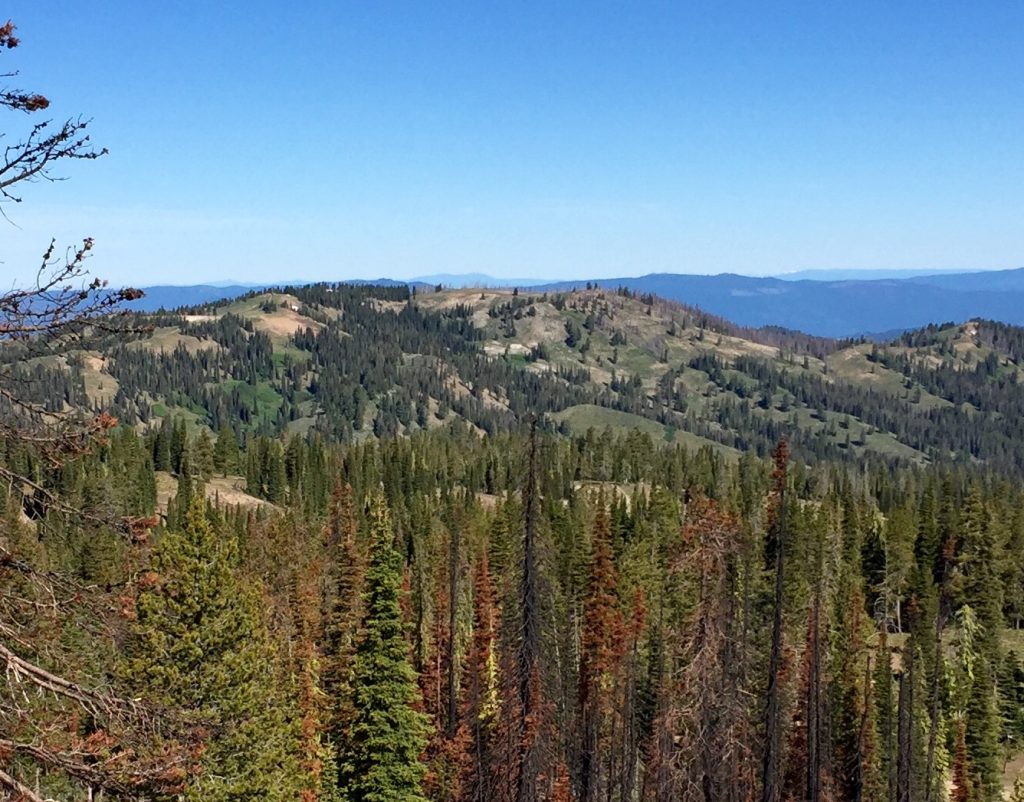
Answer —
(354, 543)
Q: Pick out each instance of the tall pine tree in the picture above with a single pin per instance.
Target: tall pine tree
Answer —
(380, 761)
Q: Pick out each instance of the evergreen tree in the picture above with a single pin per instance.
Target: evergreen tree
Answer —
(981, 588)
(162, 445)
(480, 703)
(380, 762)
(202, 454)
(179, 442)
(343, 602)
(600, 653)
(198, 645)
(226, 457)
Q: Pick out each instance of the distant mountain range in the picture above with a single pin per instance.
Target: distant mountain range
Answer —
(844, 308)
(830, 306)
(169, 296)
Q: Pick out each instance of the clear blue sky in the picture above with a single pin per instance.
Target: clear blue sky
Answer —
(261, 141)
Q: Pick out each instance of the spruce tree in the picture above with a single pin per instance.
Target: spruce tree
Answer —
(343, 602)
(162, 445)
(179, 442)
(202, 454)
(380, 761)
(980, 587)
(225, 451)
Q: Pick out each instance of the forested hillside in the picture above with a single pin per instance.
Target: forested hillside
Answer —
(454, 617)
(348, 362)
(337, 543)
(308, 545)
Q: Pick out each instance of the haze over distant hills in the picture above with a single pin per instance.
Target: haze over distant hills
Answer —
(862, 275)
(816, 302)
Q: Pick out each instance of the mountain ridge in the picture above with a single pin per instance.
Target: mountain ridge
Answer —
(347, 362)
(840, 307)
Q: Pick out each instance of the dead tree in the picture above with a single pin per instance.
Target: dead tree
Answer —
(127, 749)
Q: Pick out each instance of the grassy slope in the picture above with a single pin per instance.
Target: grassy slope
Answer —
(586, 416)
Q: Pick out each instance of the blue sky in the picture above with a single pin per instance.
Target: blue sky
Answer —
(261, 141)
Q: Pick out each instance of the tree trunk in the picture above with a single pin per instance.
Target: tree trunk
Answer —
(770, 789)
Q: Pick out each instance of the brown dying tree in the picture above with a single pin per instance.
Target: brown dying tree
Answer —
(57, 719)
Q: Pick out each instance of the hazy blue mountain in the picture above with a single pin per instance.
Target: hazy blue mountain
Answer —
(835, 308)
(983, 281)
(171, 297)
(458, 280)
(863, 275)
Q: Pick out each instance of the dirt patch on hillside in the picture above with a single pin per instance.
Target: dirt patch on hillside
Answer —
(284, 322)
(227, 490)
(100, 386)
(168, 338)
(1014, 769)
(495, 348)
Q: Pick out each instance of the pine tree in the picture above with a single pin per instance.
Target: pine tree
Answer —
(179, 442)
(380, 762)
(885, 715)
(162, 445)
(480, 703)
(202, 454)
(852, 722)
(962, 791)
(600, 654)
(316, 753)
(982, 590)
(343, 601)
(226, 458)
(277, 477)
(775, 553)
(198, 645)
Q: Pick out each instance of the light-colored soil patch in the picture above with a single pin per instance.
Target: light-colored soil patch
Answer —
(476, 299)
(461, 390)
(734, 347)
(546, 326)
(488, 501)
(227, 490)
(1013, 770)
(492, 401)
(168, 338)
(495, 348)
(100, 386)
(284, 322)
